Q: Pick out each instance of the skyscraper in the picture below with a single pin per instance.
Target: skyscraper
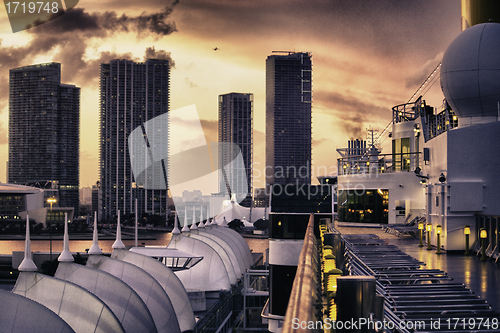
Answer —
(44, 123)
(235, 126)
(288, 118)
(131, 93)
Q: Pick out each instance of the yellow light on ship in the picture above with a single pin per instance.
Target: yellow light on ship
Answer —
(467, 230)
(438, 229)
(483, 234)
(420, 225)
(429, 227)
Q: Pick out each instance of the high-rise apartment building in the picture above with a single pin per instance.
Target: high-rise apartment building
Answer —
(288, 118)
(44, 129)
(131, 93)
(235, 126)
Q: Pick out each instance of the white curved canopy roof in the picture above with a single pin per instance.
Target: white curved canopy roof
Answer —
(233, 210)
(224, 250)
(209, 274)
(81, 309)
(237, 238)
(19, 314)
(145, 285)
(236, 247)
(169, 282)
(125, 303)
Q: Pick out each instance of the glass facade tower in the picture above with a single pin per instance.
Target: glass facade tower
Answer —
(44, 130)
(235, 126)
(288, 118)
(131, 93)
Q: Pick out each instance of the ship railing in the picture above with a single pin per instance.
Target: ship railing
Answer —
(305, 303)
(378, 164)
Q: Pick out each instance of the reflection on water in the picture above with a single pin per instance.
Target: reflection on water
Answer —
(482, 277)
(7, 246)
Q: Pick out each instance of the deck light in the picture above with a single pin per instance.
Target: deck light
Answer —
(467, 230)
(421, 228)
(467, 233)
(51, 201)
(483, 235)
(438, 233)
(429, 229)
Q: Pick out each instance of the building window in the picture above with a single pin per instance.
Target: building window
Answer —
(369, 206)
(401, 154)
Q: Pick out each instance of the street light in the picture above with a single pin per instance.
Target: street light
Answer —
(429, 229)
(438, 232)
(483, 235)
(467, 235)
(421, 229)
(51, 201)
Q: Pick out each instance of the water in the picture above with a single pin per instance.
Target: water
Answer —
(162, 239)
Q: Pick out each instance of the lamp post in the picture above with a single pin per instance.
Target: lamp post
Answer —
(421, 229)
(429, 229)
(51, 201)
(438, 233)
(483, 234)
(467, 233)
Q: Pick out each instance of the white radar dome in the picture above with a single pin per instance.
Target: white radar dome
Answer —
(470, 71)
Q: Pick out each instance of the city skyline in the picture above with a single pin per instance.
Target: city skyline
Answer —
(368, 57)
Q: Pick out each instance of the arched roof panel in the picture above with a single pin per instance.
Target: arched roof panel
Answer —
(82, 310)
(169, 282)
(226, 253)
(209, 274)
(145, 286)
(125, 303)
(19, 314)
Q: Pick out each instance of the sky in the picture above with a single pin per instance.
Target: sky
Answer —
(368, 56)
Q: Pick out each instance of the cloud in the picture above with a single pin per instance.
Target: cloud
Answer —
(151, 53)
(352, 114)
(210, 129)
(190, 83)
(4, 139)
(99, 24)
(416, 79)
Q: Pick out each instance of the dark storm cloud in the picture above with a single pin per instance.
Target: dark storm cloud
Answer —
(70, 35)
(151, 53)
(77, 20)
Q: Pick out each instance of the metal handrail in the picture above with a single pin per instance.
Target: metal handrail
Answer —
(302, 302)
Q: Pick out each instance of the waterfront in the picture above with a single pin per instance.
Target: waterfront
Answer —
(257, 245)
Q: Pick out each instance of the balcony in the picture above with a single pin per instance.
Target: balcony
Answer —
(380, 163)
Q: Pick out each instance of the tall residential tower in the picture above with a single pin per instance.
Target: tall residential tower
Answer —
(288, 118)
(235, 126)
(44, 129)
(131, 93)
